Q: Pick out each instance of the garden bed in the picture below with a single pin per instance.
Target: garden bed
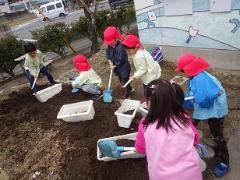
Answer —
(33, 141)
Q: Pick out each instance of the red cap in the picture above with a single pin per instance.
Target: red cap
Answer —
(191, 64)
(81, 64)
(132, 41)
(184, 60)
(111, 34)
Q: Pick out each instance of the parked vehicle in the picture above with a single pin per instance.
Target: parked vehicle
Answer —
(52, 10)
(115, 3)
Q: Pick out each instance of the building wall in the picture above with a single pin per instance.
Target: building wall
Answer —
(209, 28)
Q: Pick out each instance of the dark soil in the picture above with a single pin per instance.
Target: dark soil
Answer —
(34, 140)
(125, 143)
(130, 112)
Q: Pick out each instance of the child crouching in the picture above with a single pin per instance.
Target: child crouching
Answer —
(88, 81)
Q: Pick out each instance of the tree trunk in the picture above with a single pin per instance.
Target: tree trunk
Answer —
(91, 24)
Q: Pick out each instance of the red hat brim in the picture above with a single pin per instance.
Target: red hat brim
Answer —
(109, 42)
(197, 66)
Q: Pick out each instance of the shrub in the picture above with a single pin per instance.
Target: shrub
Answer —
(80, 26)
(119, 18)
(10, 48)
(53, 38)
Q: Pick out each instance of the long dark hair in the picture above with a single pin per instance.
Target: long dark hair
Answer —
(166, 104)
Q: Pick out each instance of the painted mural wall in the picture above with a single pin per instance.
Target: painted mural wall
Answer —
(213, 24)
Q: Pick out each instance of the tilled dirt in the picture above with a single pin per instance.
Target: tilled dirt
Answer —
(35, 144)
(33, 140)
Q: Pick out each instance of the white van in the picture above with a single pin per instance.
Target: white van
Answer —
(52, 10)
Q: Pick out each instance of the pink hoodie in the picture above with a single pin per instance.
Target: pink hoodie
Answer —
(171, 155)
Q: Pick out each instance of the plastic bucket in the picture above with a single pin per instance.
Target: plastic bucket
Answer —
(107, 96)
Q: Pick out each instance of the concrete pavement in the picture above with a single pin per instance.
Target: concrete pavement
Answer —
(234, 153)
(24, 30)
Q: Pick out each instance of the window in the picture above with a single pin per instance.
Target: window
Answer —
(178, 7)
(220, 5)
(50, 7)
(59, 5)
(42, 10)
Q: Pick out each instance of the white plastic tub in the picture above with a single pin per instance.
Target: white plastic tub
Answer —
(125, 120)
(124, 155)
(49, 92)
(81, 111)
(142, 109)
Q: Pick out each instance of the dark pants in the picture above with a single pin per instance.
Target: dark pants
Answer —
(123, 81)
(43, 70)
(216, 129)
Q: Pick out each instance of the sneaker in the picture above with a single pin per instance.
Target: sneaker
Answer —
(221, 169)
(75, 90)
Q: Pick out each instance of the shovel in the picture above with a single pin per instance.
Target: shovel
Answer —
(35, 80)
(111, 149)
(107, 94)
(125, 85)
(189, 98)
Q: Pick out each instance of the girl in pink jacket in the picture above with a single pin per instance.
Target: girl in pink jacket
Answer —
(166, 135)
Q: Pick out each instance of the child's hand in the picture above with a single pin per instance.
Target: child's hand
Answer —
(112, 67)
(132, 78)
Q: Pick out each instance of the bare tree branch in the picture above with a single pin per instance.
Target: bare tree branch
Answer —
(96, 7)
(86, 7)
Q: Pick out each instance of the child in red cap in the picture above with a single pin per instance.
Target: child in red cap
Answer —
(146, 68)
(117, 57)
(210, 104)
(87, 80)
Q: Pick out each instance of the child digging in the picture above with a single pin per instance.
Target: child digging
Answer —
(166, 135)
(34, 64)
(117, 57)
(87, 80)
(146, 68)
(209, 104)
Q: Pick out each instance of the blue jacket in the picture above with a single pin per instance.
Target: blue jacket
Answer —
(119, 57)
(210, 98)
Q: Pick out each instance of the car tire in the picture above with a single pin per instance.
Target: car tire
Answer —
(62, 15)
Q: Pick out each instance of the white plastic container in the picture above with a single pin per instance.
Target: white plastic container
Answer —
(49, 92)
(81, 111)
(142, 109)
(124, 155)
(125, 120)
